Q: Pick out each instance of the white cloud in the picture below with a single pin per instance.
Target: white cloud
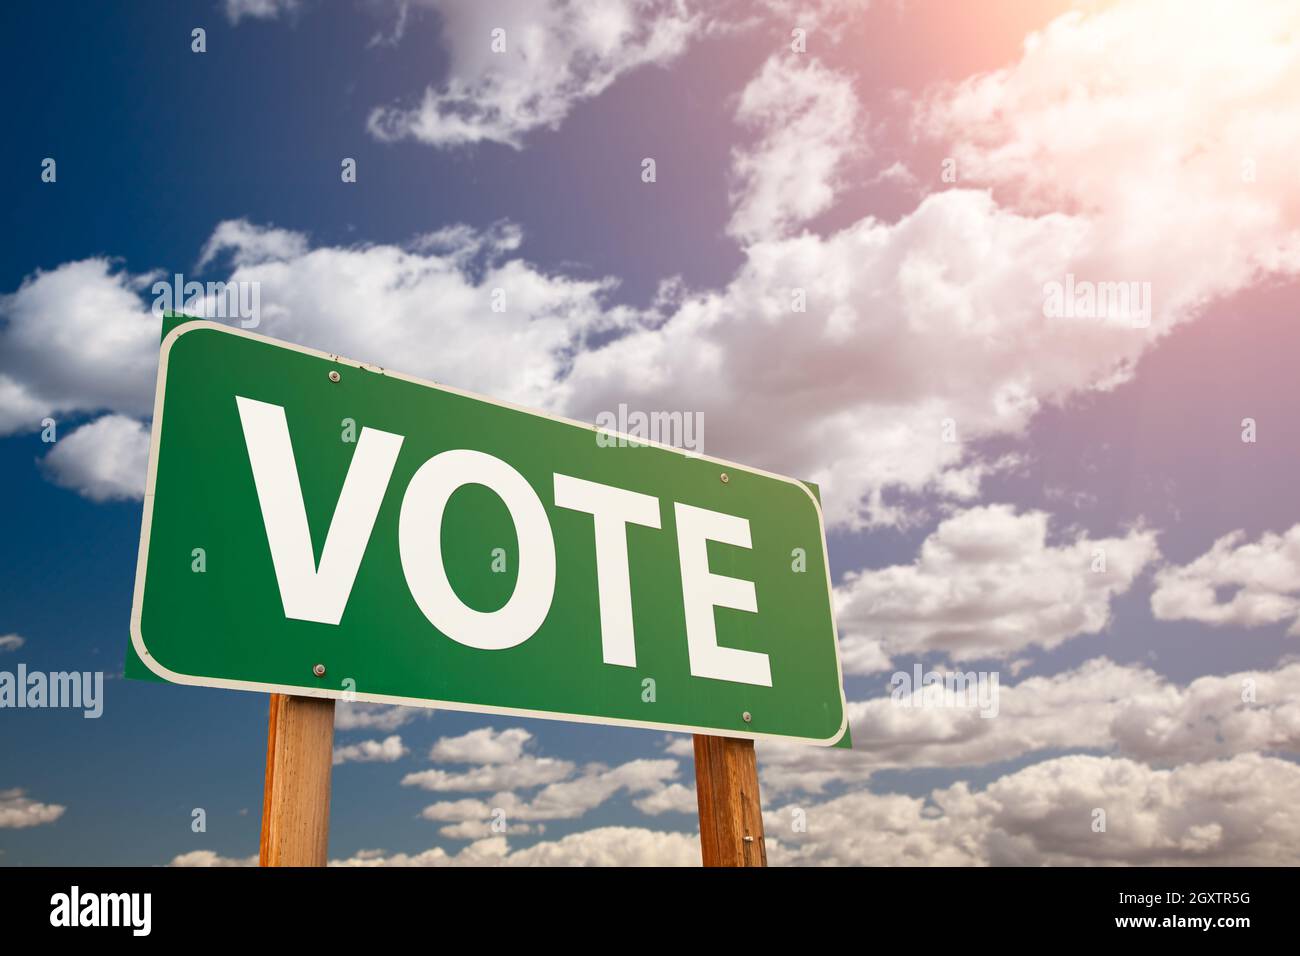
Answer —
(1212, 717)
(428, 308)
(572, 798)
(486, 745)
(381, 717)
(936, 316)
(1225, 812)
(105, 460)
(1100, 705)
(21, 409)
(987, 583)
(1066, 711)
(388, 750)
(1260, 583)
(1109, 121)
(1229, 812)
(459, 810)
(237, 10)
(808, 115)
(501, 767)
(1123, 113)
(566, 799)
(490, 852)
(606, 846)
(76, 338)
(249, 244)
(486, 829)
(521, 773)
(210, 858)
(11, 642)
(675, 798)
(557, 54)
(828, 15)
(80, 339)
(18, 811)
(679, 745)
(613, 846)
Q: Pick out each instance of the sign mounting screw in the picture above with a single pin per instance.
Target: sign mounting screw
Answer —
(319, 670)
(747, 716)
(725, 477)
(334, 375)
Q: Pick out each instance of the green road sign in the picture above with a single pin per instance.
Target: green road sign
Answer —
(320, 527)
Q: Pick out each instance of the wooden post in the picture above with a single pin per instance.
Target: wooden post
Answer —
(296, 801)
(731, 813)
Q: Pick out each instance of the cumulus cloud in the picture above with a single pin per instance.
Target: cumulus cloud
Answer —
(18, 811)
(907, 325)
(1100, 706)
(486, 745)
(675, 798)
(380, 717)
(210, 858)
(523, 772)
(76, 338)
(1238, 811)
(808, 116)
(105, 460)
(499, 765)
(605, 846)
(573, 798)
(828, 15)
(566, 799)
(987, 583)
(80, 338)
(613, 846)
(316, 297)
(459, 810)
(1236, 583)
(237, 10)
(556, 55)
(1211, 717)
(940, 315)
(1124, 112)
(1227, 812)
(486, 829)
(913, 330)
(388, 750)
(11, 642)
(247, 244)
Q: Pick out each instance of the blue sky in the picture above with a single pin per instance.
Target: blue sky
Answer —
(1114, 144)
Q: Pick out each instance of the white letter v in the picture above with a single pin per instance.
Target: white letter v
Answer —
(309, 594)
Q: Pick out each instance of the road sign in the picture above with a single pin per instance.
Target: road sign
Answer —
(320, 527)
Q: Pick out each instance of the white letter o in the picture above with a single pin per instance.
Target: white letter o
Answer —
(419, 542)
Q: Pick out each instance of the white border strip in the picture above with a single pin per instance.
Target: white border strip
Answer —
(137, 603)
